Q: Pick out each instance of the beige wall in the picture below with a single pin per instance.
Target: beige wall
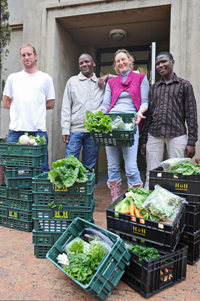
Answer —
(58, 51)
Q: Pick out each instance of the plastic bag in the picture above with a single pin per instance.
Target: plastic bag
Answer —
(77, 239)
(163, 204)
(170, 163)
(118, 124)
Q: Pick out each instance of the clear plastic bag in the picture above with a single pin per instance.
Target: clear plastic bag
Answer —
(77, 239)
(163, 204)
(118, 124)
(171, 163)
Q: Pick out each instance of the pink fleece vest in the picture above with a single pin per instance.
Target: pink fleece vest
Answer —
(131, 85)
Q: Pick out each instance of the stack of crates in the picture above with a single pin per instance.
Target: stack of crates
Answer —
(21, 163)
(54, 209)
(151, 276)
(189, 188)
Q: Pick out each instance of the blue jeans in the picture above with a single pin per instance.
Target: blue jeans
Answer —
(13, 136)
(90, 151)
(130, 160)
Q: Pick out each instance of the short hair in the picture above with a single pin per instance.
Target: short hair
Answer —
(87, 55)
(27, 44)
(128, 55)
(170, 56)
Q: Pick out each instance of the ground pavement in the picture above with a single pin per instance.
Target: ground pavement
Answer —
(25, 277)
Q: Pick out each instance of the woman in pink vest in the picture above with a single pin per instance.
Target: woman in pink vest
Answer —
(126, 93)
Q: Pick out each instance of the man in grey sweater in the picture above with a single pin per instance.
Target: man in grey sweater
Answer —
(81, 94)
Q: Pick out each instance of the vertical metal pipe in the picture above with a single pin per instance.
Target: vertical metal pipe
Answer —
(153, 62)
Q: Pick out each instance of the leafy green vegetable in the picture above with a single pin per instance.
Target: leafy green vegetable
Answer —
(83, 265)
(98, 122)
(54, 205)
(186, 169)
(39, 140)
(135, 196)
(67, 171)
(147, 253)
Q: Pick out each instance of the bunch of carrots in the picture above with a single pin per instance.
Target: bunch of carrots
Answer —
(135, 212)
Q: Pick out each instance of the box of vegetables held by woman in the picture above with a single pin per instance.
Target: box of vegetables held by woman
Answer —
(111, 129)
(156, 217)
(29, 151)
(177, 175)
(91, 256)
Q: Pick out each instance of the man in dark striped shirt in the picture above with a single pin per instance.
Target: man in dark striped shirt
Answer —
(171, 104)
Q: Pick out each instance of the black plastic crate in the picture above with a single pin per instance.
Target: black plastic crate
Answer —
(16, 224)
(160, 235)
(192, 218)
(16, 214)
(174, 182)
(118, 137)
(193, 243)
(40, 183)
(149, 277)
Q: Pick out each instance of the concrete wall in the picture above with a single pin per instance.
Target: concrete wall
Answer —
(58, 52)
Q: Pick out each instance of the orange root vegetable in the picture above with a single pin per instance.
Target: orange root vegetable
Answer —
(126, 211)
(132, 212)
(137, 213)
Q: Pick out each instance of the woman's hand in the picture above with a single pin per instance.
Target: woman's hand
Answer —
(95, 111)
(139, 117)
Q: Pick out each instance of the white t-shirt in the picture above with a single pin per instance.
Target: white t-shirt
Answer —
(28, 93)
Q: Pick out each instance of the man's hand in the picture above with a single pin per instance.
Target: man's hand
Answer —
(102, 80)
(6, 102)
(189, 151)
(143, 150)
(65, 138)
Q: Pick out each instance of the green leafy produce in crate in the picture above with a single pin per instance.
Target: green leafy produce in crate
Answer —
(67, 171)
(98, 122)
(32, 140)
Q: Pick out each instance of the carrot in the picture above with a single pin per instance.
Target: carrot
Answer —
(137, 213)
(126, 211)
(132, 212)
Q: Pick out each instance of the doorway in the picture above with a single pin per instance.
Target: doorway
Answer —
(104, 63)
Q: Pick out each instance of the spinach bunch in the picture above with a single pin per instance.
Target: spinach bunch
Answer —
(67, 171)
(186, 169)
(146, 253)
(98, 122)
(83, 265)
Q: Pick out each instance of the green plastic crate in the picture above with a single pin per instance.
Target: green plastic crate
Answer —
(111, 268)
(18, 183)
(3, 190)
(21, 172)
(48, 225)
(16, 203)
(16, 224)
(43, 238)
(118, 137)
(77, 200)
(20, 194)
(13, 149)
(8, 160)
(16, 214)
(40, 251)
(66, 213)
(40, 183)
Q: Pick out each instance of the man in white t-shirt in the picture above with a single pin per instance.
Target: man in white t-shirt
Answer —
(28, 94)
